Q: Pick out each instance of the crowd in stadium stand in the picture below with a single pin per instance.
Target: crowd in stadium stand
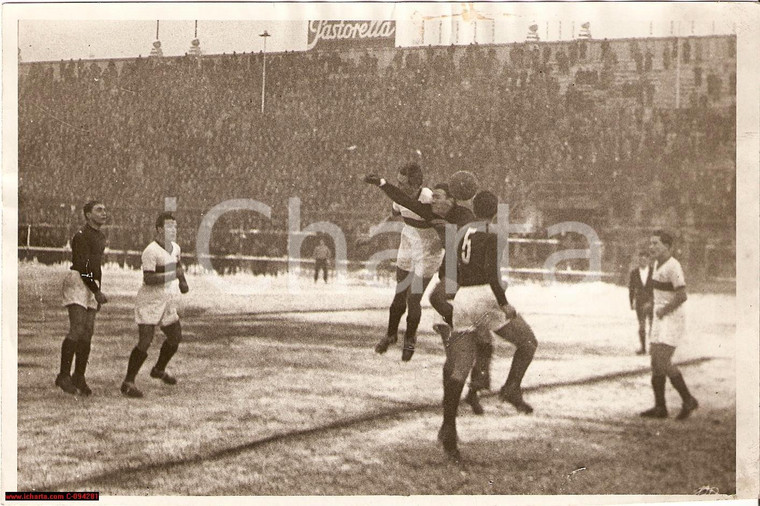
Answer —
(193, 129)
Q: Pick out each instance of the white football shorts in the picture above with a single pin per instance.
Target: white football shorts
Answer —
(669, 330)
(76, 292)
(156, 305)
(475, 308)
(420, 251)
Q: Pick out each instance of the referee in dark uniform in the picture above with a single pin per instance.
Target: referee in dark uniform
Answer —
(82, 298)
(321, 260)
(641, 297)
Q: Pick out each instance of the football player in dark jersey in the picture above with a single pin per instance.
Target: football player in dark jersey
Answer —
(82, 298)
(481, 307)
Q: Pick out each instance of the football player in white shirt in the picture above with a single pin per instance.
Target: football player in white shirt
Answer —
(419, 256)
(668, 326)
(163, 279)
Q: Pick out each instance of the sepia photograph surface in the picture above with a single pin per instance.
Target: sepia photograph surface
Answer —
(390, 250)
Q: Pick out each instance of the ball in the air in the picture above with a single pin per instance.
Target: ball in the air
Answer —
(463, 185)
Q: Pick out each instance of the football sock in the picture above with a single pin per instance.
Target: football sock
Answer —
(480, 377)
(68, 348)
(447, 369)
(136, 359)
(658, 385)
(680, 386)
(167, 352)
(452, 391)
(398, 307)
(82, 354)
(413, 317)
(520, 362)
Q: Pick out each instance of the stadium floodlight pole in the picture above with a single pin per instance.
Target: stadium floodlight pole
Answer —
(264, 70)
(678, 66)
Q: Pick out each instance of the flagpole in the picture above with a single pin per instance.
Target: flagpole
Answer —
(678, 67)
(264, 35)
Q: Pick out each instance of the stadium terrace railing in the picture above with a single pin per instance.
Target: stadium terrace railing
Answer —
(269, 265)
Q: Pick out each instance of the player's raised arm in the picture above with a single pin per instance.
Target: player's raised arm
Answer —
(399, 197)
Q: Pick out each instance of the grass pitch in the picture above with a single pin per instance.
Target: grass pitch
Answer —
(280, 393)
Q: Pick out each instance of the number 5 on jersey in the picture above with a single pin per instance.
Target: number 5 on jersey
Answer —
(467, 246)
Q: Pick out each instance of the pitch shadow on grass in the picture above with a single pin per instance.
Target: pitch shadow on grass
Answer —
(253, 327)
(22, 365)
(354, 335)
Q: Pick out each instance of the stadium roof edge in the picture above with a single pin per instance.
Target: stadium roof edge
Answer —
(421, 46)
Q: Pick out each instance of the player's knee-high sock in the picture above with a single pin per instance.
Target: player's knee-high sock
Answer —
(520, 362)
(82, 354)
(414, 314)
(480, 377)
(452, 391)
(68, 348)
(448, 369)
(658, 385)
(167, 352)
(136, 359)
(680, 385)
(398, 307)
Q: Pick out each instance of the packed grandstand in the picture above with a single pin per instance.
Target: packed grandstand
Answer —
(624, 135)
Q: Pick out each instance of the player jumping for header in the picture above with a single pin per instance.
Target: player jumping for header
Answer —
(444, 209)
(419, 256)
